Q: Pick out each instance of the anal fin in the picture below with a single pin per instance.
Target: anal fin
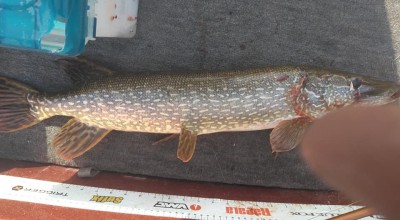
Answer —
(75, 138)
(187, 144)
(288, 134)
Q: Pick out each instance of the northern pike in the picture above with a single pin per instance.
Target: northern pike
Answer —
(287, 99)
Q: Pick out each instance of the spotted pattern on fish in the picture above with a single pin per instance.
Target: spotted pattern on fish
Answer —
(206, 102)
(287, 99)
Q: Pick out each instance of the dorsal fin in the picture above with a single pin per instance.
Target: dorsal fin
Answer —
(81, 70)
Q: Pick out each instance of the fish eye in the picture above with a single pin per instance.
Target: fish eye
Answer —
(355, 83)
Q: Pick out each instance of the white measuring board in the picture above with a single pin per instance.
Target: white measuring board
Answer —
(140, 203)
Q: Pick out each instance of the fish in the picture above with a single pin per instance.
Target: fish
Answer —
(286, 99)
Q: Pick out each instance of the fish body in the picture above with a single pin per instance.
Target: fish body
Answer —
(162, 103)
(287, 98)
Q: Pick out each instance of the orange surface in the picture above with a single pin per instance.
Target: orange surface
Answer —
(22, 210)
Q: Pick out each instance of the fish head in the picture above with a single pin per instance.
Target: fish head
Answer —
(325, 91)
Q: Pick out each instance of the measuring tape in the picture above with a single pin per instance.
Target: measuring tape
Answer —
(163, 205)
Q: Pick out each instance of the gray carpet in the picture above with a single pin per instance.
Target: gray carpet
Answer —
(359, 36)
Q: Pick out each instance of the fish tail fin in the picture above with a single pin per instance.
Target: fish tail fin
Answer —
(15, 109)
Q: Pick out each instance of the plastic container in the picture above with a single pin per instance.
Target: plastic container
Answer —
(64, 26)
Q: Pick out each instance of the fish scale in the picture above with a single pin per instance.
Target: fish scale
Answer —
(249, 101)
(286, 99)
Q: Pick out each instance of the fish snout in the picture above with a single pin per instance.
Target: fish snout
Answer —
(377, 91)
(368, 90)
(396, 95)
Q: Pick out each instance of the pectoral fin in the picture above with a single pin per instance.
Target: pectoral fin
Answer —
(187, 144)
(75, 138)
(288, 134)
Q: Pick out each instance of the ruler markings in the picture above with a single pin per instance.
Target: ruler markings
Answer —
(165, 205)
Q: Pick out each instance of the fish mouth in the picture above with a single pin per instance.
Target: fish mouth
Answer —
(379, 92)
(396, 95)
